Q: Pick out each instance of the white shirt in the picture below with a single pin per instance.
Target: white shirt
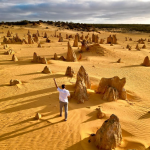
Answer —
(63, 94)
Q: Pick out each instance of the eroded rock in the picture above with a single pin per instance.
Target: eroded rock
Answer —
(14, 58)
(80, 93)
(38, 116)
(109, 136)
(46, 70)
(112, 88)
(14, 82)
(69, 72)
(100, 114)
(71, 56)
(146, 62)
(82, 74)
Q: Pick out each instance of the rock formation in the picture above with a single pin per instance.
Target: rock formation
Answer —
(59, 35)
(109, 136)
(82, 74)
(80, 57)
(55, 33)
(111, 94)
(39, 45)
(67, 36)
(38, 116)
(9, 52)
(62, 58)
(127, 46)
(45, 35)
(28, 32)
(38, 33)
(48, 40)
(6, 46)
(109, 40)
(36, 38)
(101, 41)
(39, 59)
(100, 114)
(46, 70)
(14, 82)
(70, 36)
(60, 39)
(84, 46)
(71, 56)
(112, 39)
(24, 41)
(55, 57)
(86, 37)
(93, 38)
(81, 37)
(14, 58)
(30, 40)
(144, 46)
(69, 72)
(112, 88)
(137, 47)
(119, 60)
(90, 41)
(146, 62)
(80, 93)
(96, 39)
(8, 34)
(75, 44)
(78, 37)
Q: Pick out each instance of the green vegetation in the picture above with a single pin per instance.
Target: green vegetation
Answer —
(87, 27)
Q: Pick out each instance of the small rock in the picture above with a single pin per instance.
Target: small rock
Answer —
(38, 116)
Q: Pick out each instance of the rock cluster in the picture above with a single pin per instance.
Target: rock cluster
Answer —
(30, 39)
(39, 59)
(109, 136)
(12, 40)
(36, 38)
(112, 88)
(9, 52)
(112, 39)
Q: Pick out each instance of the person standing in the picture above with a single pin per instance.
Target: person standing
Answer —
(63, 99)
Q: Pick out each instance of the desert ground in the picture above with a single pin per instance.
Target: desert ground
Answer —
(38, 94)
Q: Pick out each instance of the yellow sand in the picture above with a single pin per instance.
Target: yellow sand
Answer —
(20, 103)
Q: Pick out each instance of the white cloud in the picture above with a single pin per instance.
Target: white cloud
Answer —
(95, 11)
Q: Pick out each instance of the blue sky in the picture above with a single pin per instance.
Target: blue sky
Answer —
(83, 11)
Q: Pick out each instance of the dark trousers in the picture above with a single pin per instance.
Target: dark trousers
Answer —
(65, 105)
